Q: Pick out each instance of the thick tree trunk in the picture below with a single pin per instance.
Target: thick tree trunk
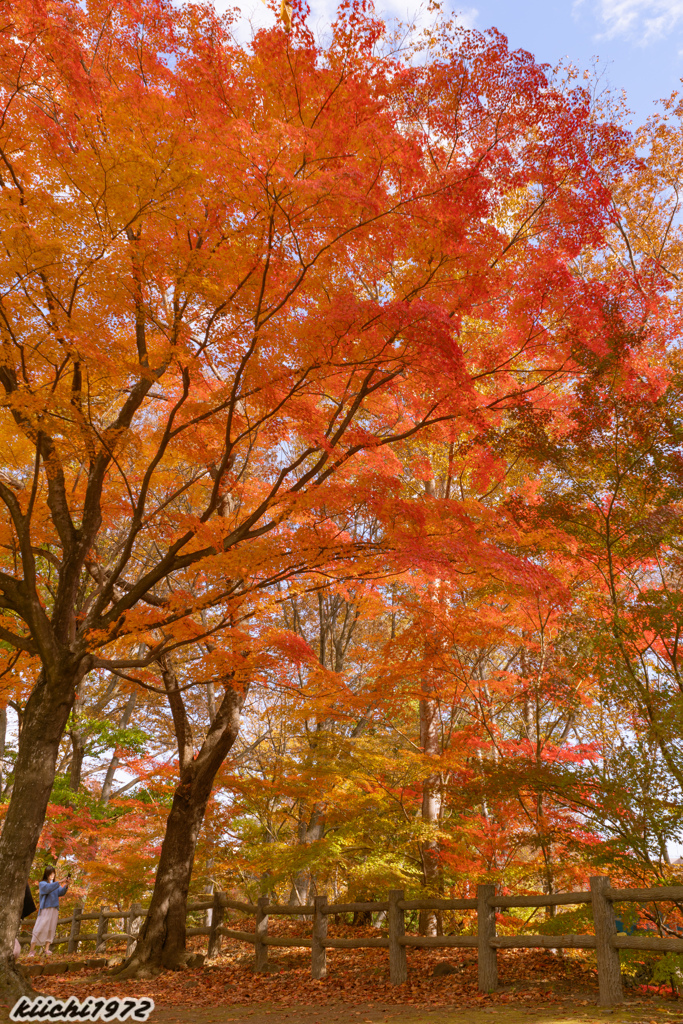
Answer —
(44, 722)
(162, 936)
(161, 943)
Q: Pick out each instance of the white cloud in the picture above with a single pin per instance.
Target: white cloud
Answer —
(255, 14)
(642, 20)
(252, 15)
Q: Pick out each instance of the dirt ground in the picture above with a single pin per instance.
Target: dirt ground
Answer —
(441, 989)
(632, 1012)
(568, 1013)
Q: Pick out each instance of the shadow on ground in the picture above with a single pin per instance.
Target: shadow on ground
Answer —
(645, 1013)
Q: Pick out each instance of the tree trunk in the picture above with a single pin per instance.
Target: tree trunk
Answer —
(3, 739)
(108, 783)
(308, 833)
(162, 937)
(209, 889)
(77, 735)
(430, 741)
(77, 754)
(362, 919)
(211, 701)
(545, 842)
(44, 722)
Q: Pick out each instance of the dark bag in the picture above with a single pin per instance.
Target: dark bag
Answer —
(29, 906)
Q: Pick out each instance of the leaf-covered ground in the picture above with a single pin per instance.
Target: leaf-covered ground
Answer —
(534, 986)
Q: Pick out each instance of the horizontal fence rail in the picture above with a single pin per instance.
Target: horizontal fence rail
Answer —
(606, 941)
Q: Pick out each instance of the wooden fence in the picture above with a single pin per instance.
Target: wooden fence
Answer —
(606, 942)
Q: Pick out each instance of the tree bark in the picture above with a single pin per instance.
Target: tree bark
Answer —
(337, 621)
(430, 741)
(77, 754)
(44, 721)
(3, 740)
(308, 833)
(162, 937)
(108, 783)
(361, 919)
(211, 701)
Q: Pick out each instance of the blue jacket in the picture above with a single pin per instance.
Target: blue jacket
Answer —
(50, 893)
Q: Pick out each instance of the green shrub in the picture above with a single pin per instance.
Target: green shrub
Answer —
(669, 971)
(641, 967)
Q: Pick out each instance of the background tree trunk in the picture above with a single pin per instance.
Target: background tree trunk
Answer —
(430, 741)
(310, 831)
(108, 783)
(77, 754)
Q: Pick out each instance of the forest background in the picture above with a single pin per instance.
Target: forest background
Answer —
(341, 468)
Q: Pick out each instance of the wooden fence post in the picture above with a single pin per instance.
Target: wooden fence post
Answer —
(75, 929)
(486, 930)
(260, 948)
(609, 968)
(398, 965)
(133, 929)
(318, 951)
(217, 912)
(102, 929)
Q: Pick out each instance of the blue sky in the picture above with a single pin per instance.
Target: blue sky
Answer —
(639, 43)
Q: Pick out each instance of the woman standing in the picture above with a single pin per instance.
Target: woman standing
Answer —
(46, 925)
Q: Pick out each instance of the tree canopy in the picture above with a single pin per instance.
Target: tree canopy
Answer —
(339, 499)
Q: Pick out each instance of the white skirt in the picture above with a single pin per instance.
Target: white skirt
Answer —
(46, 926)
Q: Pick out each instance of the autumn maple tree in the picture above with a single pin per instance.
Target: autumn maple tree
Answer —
(237, 281)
